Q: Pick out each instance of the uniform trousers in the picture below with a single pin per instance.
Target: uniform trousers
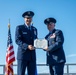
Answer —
(57, 69)
(22, 64)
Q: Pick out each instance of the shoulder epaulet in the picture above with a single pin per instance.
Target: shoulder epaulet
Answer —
(34, 27)
(20, 26)
(57, 30)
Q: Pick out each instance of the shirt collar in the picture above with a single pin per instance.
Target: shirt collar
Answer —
(51, 31)
(27, 25)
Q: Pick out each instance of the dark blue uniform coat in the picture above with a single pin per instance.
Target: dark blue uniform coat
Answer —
(23, 38)
(55, 53)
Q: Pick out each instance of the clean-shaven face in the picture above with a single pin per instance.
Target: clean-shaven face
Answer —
(51, 26)
(28, 20)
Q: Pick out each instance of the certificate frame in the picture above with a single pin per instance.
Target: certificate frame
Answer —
(40, 43)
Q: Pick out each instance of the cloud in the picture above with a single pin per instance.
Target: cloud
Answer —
(71, 55)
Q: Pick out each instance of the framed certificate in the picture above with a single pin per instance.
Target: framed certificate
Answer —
(40, 43)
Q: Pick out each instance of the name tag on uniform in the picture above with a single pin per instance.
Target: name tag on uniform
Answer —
(24, 32)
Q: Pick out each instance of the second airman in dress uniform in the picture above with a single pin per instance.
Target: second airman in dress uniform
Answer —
(55, 53)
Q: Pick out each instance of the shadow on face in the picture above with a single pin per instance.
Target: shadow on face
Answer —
(28, 20)
(51, 26)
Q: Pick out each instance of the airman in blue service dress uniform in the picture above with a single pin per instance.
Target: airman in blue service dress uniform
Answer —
(24, 37)
(55, 53)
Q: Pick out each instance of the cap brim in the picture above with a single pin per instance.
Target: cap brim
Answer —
(27, 16)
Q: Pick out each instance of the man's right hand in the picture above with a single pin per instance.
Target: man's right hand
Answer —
(45, 49)
(30, 47)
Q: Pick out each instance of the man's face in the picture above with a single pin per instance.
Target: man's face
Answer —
(51, 26)
(28, 20)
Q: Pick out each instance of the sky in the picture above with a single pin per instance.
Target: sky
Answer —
(64, 11)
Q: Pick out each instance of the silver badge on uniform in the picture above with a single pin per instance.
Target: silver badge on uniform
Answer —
(48, 19)
(28, 12)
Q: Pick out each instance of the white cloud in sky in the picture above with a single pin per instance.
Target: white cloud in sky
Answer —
(71, 55)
